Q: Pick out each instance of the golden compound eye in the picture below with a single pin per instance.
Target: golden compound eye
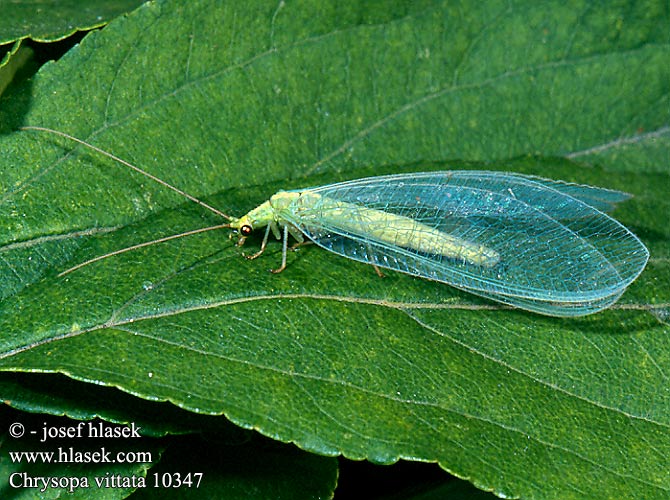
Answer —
(246, 230)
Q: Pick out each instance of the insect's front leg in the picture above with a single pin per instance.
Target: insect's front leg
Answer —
(263, 243)
(284, 234)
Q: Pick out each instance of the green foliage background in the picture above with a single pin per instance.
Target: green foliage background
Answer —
(234, 101)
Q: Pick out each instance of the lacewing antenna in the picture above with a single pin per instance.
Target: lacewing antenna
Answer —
(142, 245)
(129, 165)
(146, 174)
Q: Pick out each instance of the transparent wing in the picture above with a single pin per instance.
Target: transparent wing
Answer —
(601, 199)
(558, 254)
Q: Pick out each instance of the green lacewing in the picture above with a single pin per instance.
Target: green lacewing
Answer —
(536, 244)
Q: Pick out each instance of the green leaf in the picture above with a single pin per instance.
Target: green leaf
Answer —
(58, 395)
(53, 20)
(232, 102)
(13, 62)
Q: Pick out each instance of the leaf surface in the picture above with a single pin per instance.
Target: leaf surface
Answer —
(53, 20)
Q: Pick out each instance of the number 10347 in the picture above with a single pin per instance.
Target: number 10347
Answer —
(176, 480)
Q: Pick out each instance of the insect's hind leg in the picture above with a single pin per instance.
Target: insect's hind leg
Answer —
(375, 266)
(378, 271)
